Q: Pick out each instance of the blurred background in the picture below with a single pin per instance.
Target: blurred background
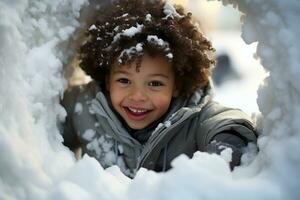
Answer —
(238, 74)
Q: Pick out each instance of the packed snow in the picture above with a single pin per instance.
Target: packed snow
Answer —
(35, 165)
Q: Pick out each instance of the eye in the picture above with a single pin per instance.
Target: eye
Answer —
(124, 81)
(155, 83)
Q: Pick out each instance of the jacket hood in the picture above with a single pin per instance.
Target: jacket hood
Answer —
(181, 108)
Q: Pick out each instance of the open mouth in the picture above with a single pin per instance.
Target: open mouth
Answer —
(136, 113)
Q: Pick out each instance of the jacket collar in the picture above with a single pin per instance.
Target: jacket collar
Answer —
(135, 152)
(179, 106)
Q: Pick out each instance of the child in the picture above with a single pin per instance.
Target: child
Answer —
(150, 98)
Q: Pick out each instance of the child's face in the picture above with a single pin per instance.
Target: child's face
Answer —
(142, 97)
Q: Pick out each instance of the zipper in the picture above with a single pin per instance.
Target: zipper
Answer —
(153, 140)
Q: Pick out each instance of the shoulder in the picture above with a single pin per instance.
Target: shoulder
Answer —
(214, 119)
(90, 89)
(214, 111)
(79, 94)
(80, 118)
(76, 101)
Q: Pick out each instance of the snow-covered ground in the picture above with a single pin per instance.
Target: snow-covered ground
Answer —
(35, 165)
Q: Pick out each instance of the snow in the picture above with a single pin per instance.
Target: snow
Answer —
(94, 145)
(226, 154)
(170, 11)
(148, 17)
(131, 51)
(89, 134)
(169, 56)
(154, 39)
(130, 32)
(92, 27)
(78, 108)
(167, 123)
(97, 124)
(35, 165)
(138, 49)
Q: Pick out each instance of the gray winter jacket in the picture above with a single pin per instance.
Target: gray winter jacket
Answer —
(191, 124)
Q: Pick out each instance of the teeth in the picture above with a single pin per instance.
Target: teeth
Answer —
(137, 110)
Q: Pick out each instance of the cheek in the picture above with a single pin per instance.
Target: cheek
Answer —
(162, 103)
(115, 96)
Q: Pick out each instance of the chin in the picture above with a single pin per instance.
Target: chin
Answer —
(137, 127)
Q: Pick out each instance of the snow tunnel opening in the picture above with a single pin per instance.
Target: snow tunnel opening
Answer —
(33, 169)
(223, 26)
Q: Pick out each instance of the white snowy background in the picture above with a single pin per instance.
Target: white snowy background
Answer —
(35, 165)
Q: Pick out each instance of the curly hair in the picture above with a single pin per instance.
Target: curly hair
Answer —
(124, 31)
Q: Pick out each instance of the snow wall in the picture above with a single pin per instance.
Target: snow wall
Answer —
(35, 165)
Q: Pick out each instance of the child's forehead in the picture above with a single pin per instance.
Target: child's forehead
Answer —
(152, 64)
(115, 68)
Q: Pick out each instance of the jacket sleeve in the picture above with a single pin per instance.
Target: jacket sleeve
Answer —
(80, 117)
(227, 140)
(223, 127)
(68, 132)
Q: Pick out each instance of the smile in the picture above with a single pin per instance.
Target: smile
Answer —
(137, 111)
(136, 114)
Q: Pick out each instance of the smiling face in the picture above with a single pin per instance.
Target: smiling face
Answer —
(141, 97)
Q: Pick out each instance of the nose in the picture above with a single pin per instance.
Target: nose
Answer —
(137, 94)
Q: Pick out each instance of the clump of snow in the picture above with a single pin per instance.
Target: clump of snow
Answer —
(159, 42)
(91, 110)
(148, 17)
(153, 39)
(89, 134)
(226, 154)
(97, 124)
(35, 165)
(78, 108)
(169, 56)
(94, 146)
(125, 15)
(167, 123)
(92, 27)
(137, 50)
(170, 11)
(130, 32)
